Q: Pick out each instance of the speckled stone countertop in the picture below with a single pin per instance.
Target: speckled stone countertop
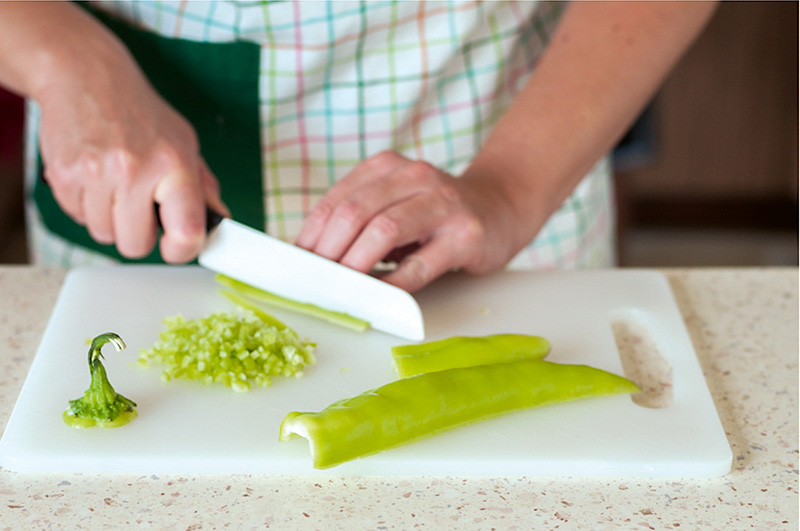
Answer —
(743, 324)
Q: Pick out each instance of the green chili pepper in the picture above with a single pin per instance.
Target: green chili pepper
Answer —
(466, 351)
(416, 407)
(100, 404)
(338, 318)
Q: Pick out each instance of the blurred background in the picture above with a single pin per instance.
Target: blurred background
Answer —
(708, 176)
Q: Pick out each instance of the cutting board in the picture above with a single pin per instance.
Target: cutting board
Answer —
(187, 428)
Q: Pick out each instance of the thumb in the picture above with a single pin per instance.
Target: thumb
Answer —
(182, 210)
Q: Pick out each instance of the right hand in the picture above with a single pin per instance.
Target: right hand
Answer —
(112, 148)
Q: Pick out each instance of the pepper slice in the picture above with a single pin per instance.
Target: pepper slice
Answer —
(420, 406)
(306, 308)
(466, 351)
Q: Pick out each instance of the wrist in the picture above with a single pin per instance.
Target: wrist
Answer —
(520, 189)
(505, 203)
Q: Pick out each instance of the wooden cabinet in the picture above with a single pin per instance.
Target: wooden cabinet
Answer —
(725, 127)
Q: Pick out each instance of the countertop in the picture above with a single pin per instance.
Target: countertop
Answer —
(743, 323)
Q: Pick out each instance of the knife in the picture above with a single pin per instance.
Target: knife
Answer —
(255, 258)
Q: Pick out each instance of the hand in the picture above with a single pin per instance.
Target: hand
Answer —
(112, 148)
(437, 222)
(109, 156)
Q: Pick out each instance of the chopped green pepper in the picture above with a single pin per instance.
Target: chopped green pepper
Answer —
(235, 349)
(100, 404)
(466, 351)
(422, 405)
(338, 318)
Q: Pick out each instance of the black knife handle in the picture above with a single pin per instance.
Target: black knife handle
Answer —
(213, 218)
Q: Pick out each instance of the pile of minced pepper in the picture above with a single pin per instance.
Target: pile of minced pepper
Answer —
(236, 349)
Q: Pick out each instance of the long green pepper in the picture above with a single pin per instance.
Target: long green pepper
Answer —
(466, 351)
(413, 408)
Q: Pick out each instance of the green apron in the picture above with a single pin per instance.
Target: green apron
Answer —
(215, 87)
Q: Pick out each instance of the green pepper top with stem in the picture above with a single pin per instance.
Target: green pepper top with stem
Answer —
(100, 404)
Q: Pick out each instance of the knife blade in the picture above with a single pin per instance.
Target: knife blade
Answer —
(257, 259)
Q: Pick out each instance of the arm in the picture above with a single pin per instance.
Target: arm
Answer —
(111, 146)
(605, 62)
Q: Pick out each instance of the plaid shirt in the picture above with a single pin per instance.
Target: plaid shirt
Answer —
(343, 80)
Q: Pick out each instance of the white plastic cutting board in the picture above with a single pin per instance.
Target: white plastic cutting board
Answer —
(186, 428)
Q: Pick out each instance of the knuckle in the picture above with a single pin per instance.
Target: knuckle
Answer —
(449, 194)
(321, 212)
(385, 226)
(350, 212)
(420, 172)
(469, 231)
(89, 165)
(126, 166)
(169, 155)
(384, 158)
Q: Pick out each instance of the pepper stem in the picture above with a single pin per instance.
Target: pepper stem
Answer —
(98, 342)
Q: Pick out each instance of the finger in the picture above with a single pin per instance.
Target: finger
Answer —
(182, 211)
(367, 208)
(432, 204)
(372, 169)
(403, 186)
(67, 192)
(406, 222)
(421, 268)
(98, 203)
(134, 224)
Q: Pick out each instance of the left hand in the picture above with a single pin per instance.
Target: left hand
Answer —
(389, 203)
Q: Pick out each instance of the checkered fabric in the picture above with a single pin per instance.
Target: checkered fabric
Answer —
(343, 80)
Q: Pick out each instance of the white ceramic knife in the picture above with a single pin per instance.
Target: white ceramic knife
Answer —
(255, 258)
